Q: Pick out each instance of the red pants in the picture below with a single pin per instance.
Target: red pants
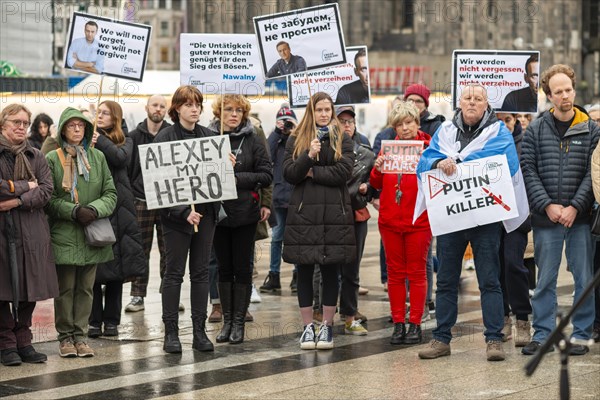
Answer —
(406, 258)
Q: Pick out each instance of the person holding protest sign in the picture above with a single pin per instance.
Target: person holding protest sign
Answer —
(319, 230)
(287, 64)
(128, 262)
(473, 133)
(27, 270)
(83, 52)
(178, 232)
(525, 99)
(406, 243)
(357, 91)
(234, 236)
(83, 192)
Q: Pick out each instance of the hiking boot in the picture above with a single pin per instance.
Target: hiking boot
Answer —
(507, 329)
(29, 355)
(216, 315)
(171, 343)
(66, 348)
(495, 351)
(414, 334)
(307, 340)
(317, 316)
(83, 350)
(399, 333)
(136, 304)
(271, 284)
(294, 282)
(354, 327)
(523, 333)
(532, 347)
(94, 332)
(10, 357)
(436, 349)
(201, 342)
(325, 337)
(110, 330)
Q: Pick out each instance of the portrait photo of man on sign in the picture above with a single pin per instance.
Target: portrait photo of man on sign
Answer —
(83, 51)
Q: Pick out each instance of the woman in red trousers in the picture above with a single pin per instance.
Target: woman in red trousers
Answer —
(406, 244)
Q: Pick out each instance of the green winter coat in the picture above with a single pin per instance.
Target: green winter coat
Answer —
(68, 240)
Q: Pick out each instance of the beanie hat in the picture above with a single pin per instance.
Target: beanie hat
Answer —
(420, 90)
(285, 112)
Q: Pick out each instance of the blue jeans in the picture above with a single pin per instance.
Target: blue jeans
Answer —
(485, 241)
(429, 268)
(277, 240)
(548, 247)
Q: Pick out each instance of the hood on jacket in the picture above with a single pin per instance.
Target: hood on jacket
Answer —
(489, 117)
(581, 116)
(429, 116)
(68, 114)
(244, 129)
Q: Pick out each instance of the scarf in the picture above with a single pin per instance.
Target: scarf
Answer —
(76, 163)
(22, 170)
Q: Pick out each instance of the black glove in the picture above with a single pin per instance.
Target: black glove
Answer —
(85, 215)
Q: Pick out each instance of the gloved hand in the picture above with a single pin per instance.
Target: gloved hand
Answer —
(85, 215)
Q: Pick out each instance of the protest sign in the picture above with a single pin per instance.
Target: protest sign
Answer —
(299, 40)
(401, 156)
(104, 46)
(346, 83)
(221, 63)
(187, 172)
(479, 193)
(510, 77)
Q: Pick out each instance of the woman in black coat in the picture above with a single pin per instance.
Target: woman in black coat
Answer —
(319, 159)
(129, 261)
(234, 236)
(40, 130)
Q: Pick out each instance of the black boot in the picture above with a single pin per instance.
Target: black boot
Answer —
(294, 282)
(241, 301)
(172, 343)
(399, 333)
(225, 294)
(272, 283)
(414, 335)
(201, 342)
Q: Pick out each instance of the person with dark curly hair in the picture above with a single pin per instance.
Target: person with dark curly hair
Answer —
(40, 130)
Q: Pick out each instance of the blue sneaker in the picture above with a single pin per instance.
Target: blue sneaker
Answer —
(307, 340)
(325, 337)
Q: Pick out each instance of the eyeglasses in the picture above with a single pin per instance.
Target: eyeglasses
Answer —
(416, 100)
(346, 121)
(18, 122)
(73, 125)
(231, 110)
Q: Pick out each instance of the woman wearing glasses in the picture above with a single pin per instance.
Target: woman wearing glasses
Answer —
(234, 236)
(83, 192)
(128, 250)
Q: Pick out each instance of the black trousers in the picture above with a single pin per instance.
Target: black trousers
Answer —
(597, 291)
(110, 311)
(514, 276)
(234, 249)
(350, 273)
(178, 245)
(329, 287)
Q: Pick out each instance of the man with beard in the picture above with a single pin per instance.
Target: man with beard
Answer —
(556, 157)
(146, 131)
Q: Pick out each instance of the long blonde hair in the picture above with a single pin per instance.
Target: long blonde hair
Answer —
(306, 130)
(115, 134)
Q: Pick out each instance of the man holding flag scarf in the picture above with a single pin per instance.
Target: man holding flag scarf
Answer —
(473, 133)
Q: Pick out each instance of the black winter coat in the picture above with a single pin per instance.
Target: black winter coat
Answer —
(557, 171)
(253, 171)
(129, 261)
(363, 164)
(320, 222)
(282, 190)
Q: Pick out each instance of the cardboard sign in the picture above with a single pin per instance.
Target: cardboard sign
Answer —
(187, 172)
(346, 84)
(511, 78)
(300, 40)
(479, 193)
(103, 46)
(221, 64)
(401, 156)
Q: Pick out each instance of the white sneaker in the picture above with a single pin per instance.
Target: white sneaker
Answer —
(136, 304)
(255, 297)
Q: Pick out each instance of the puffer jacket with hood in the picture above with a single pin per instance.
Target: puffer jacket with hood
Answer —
(68, 238)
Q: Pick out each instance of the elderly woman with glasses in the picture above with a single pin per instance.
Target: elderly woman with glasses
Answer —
(83, 192)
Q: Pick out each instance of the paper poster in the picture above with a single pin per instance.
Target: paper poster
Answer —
(401, 156)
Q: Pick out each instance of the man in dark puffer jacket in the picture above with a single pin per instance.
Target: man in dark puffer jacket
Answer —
(556, 167)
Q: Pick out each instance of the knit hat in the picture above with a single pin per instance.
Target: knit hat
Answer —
(420, 90)
(285, 112)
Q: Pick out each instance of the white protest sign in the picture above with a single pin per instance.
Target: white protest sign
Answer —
(479, 193)
(304, 39)
(511, 78)
(346, 84)
(221, 63)
(401, 156)
(187, 172)
(99, 45)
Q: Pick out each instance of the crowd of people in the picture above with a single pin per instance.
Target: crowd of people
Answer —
(312, 180)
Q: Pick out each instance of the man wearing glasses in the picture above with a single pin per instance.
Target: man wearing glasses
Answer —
(83, 52)
(357, 91)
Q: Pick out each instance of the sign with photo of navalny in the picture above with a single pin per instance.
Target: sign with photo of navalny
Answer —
(104, 46)
(300, 40)
(187, 172)
(346, 83)
(401, 156)
(511, 78)
(221, 63)
(479, 193)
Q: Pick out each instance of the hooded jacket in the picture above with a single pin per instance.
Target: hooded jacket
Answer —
(68, 238)
(363, 163)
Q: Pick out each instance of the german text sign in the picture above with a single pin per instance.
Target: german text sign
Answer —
(401, 156)
(187, 172)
